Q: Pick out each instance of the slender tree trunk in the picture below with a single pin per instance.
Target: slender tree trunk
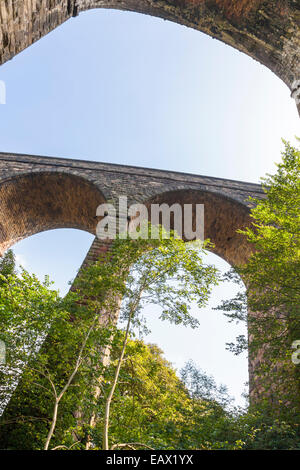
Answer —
(53, 424)
(104, 353)
(115, 381)
(67, 385)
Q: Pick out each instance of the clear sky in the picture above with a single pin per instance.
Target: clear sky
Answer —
(127, 88)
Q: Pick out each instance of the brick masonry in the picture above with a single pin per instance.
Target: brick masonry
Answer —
(41, 193)
(266, 30)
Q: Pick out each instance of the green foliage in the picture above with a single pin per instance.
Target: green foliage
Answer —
(273, 285)
(153, 407)
(202, 386)
(164, 271)
(26, 308)
(258, 430)
(65, 371)
(272, 270)
(7, 264)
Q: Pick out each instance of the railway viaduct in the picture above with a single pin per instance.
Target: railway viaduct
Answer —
(266, 30)
(43, 193)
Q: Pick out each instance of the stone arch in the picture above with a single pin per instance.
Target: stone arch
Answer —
(39, 201)
(266, 30)
(223, 216)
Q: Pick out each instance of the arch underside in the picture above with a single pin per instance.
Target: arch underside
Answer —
(42, 201)
(266, 30)
(36, 202)
(222, 218)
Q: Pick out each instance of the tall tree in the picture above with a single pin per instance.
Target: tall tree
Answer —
(272, 284)
(57, 399)
(153, 408)
(7, 264)
(163, 271)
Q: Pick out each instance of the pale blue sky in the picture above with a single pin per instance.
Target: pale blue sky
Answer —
(126, 88)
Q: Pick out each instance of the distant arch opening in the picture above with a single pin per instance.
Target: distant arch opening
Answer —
(206, 346)
(36, 202)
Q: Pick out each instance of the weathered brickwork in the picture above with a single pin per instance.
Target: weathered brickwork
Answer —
(266, 30)
(39, 193)
(42, 193)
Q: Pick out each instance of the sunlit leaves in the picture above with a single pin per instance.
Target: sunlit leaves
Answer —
(272, 279)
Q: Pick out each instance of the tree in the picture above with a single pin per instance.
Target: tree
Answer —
(163, 271)
(273, 285)
(57, 371)
(258, 430)
(7, 267)
(201, 386)
(26, 308)
(57, 397)
(146, 410)
(153, 408)
(151, 405)
(8, 264)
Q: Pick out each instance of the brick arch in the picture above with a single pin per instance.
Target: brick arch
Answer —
(223, 216)
(266, 30)
(39, 201)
